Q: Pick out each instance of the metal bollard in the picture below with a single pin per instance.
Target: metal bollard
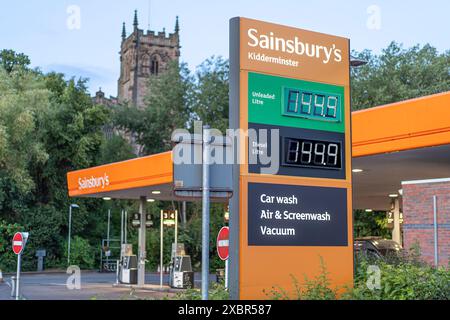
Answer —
(13, 286)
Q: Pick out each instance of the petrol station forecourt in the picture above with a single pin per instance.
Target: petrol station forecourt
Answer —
(409, 147)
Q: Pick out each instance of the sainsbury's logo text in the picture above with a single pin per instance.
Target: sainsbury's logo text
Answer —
(293, 46)
(93, 182)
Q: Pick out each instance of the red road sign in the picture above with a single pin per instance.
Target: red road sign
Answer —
(223, 243)
(18, 243)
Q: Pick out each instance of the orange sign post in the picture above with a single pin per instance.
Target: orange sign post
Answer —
(291, 208)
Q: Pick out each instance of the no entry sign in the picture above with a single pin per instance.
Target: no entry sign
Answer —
(18, 243)
(223, 243)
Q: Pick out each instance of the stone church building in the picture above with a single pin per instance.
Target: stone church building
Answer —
(142, 55)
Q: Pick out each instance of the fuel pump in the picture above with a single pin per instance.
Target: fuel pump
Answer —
(181, 275)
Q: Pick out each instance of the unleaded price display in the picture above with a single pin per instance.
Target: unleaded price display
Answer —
(311, 104)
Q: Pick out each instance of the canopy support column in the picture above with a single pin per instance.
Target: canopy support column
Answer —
(396, 232)
(142, 238)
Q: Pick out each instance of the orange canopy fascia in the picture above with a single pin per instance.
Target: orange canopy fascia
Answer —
(405, 125)
(135, 173)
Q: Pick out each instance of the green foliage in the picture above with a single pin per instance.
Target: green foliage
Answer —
(398, 74)
(317, 288)
(116, 149)
(43, 223)
(216, 291)
(370, 224)
(191, 235)
(23, 103)
(401, 281)
(210, 93)
(10, 60)
(82, 254)
(175, 100)
(48, 126)
(167, 108)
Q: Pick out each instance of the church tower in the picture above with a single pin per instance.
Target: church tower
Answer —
(143, 55)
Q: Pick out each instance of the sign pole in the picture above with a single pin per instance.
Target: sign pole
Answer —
(121, 228)
(205, 213)
(223, 249)
(107, 237)
(119, 262)
(176, 230)
(68, 240)
(226, 274)
(161, 250)
(183, 212)
(19, 259)
(18, 245)
(126, 226)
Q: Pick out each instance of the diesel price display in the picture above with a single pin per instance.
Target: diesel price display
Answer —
(312, 153)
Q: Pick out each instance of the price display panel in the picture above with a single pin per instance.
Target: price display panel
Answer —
(282, 101)
(299, 152)
(308, 153)
(310, 119)
(310, 104)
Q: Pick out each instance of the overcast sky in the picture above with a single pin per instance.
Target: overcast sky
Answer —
(46, 31)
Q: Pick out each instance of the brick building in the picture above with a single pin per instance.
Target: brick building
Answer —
(426, 218)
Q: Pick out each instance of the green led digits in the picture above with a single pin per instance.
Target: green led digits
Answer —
(312, 105)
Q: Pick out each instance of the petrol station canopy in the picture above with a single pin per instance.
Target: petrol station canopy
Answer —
(407, 140)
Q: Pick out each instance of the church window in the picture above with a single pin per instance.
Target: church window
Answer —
(155, 65)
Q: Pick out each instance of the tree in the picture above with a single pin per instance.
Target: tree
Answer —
(72, 135)
(24, 102)
(398, 74)
(48, 126)
(370, 224)
(10, 60)
(167, 108)
(210, 97)
(116, 149)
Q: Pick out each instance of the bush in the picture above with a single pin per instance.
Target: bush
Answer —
(82, 254)
(317, 288)
(402, 279)
(217, 291)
